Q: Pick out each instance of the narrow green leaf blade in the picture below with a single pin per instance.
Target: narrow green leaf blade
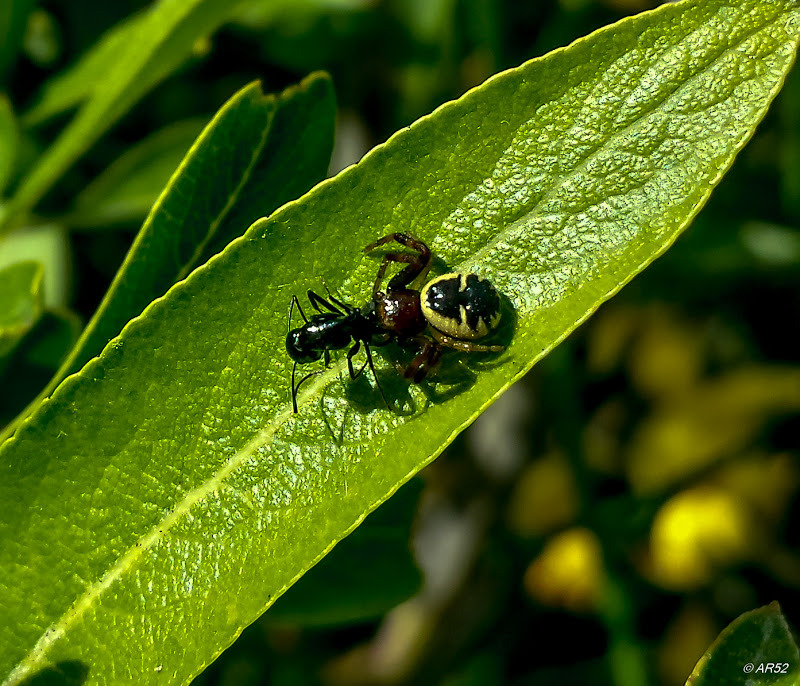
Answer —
(756, 648)
(73, 85)
(207, 497)
(9, 141)
(127, 189)
(162, 39)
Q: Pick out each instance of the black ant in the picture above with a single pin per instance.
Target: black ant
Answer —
(335, 329)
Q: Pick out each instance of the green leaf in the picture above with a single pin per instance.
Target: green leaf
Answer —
(260, 14)
(365, 576)
(9, 141)
(756, 648)
(166, 495)
(256, 140)
(70, 87)
(13, 16)
(20, 303)
(129, 187)
(149, 50)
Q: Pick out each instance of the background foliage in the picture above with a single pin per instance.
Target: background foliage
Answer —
(614, 510)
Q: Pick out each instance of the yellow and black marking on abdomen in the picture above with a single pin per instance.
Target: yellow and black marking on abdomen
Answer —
(464, 306)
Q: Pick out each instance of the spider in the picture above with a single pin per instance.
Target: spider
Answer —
(459, 307)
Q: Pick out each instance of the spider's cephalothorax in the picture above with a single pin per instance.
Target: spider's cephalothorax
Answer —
(459, 307)
(338, 327)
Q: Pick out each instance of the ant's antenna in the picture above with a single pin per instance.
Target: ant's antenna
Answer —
(295, 301)
(296, 387)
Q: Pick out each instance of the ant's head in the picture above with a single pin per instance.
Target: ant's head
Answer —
(301, 347)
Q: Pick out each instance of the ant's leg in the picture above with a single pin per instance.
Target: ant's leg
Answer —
(344, 306)
(317, 300)
(327, 358)
(465, 346)
(296, 389)
(350, 355)
(374, 375)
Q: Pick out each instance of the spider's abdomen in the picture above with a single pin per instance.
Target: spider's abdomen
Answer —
(464, 306)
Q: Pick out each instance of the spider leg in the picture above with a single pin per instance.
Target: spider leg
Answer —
(465, 346)
(418, 265)
(427, 358)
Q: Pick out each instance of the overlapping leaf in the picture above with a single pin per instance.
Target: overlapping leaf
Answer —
(242, 167)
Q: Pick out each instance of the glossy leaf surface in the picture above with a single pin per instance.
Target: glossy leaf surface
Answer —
(186, 494)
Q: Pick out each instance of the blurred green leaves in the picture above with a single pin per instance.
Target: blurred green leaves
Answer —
(20, 303)
(9, 140)
(13, 16)
(167, 486)
(126, 189)
(112, 78)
